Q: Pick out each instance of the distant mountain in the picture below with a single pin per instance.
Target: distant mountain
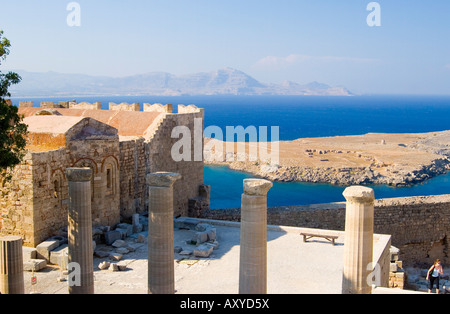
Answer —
(221, 82)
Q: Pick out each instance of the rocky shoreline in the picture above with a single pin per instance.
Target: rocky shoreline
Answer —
(341, 176)
(392, 162)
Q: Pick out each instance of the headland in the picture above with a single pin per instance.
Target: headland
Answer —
(370, 159)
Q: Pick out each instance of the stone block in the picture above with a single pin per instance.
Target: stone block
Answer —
(112, 236)
(122, 266)
(59, 256)
(44, 249)
(113, 267)
(127, 227)
(141, 238)
(214, 244)
(186, 223)
(122, 250)
(203, 251)
(28, 253)
(101, 254)
(394, 252)
(104, 265)
(123, 233)
(119, 244)
(200, 237)
(138, 228)
(34, 265)
(115, 256)
(62, 240)
(203, 227)
(135, 219)
(393, 267)
(211, 234)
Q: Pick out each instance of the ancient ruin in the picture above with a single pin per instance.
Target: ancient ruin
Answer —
(120, 147)
(106, 178)
(161, 277)
(80, 248)
(11, 265)
(358, 254)
(253, 257)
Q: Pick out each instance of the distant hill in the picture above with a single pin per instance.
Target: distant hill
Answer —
(221, 82)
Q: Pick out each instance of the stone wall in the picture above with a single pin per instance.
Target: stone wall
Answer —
(34, 204)
(102, 156)
(420, 226)
(124, 107)
(158, 108)
(132, 177)
(139, 156)
(159, 152)
(85, 105)
(49, 202)
(16, 214)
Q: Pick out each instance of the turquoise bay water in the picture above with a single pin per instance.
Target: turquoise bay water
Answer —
(227, 188)
(307, 116)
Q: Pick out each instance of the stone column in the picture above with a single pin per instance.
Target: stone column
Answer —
(81, 279)
(253, 250)
(358, 244)
(161, 272)
(11, 265)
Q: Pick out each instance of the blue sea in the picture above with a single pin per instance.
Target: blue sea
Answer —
(307, 116)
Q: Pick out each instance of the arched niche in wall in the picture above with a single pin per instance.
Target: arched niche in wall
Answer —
(88, 163)
(110, 169)
(58, 183)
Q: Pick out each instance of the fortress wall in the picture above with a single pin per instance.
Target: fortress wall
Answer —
(420, 226)
(139, 156)
(158, 108)
(49, 203)
(132, 177)
(124, 107)
(85, 105)
(160, 157)
(16, 214)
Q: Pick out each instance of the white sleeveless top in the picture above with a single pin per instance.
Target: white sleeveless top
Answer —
(435, 273)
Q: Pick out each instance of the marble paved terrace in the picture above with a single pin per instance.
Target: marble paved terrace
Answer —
(293, 267)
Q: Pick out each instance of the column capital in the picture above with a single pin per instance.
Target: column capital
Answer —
(162, 179)
(79, 174)
(10, 238)
(360, 194)
(257, 187)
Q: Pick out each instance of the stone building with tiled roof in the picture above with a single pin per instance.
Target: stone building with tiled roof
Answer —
(120, 145)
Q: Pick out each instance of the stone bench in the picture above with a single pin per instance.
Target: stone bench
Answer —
(307, 236)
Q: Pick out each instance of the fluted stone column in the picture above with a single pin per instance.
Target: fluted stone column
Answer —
(253, 247)
(161, 272)
(358, 244)
(11, 265)
(80, 231)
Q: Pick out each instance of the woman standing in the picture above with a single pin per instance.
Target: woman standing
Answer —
(433, 275)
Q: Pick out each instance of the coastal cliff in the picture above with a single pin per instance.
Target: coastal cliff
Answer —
(370, 159)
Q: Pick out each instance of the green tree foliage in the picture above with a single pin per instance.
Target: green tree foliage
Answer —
(12, 131)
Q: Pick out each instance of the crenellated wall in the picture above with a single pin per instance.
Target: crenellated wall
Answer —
(158, 108)
(124, 107)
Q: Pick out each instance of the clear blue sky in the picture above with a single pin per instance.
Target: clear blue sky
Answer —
(299, 40)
